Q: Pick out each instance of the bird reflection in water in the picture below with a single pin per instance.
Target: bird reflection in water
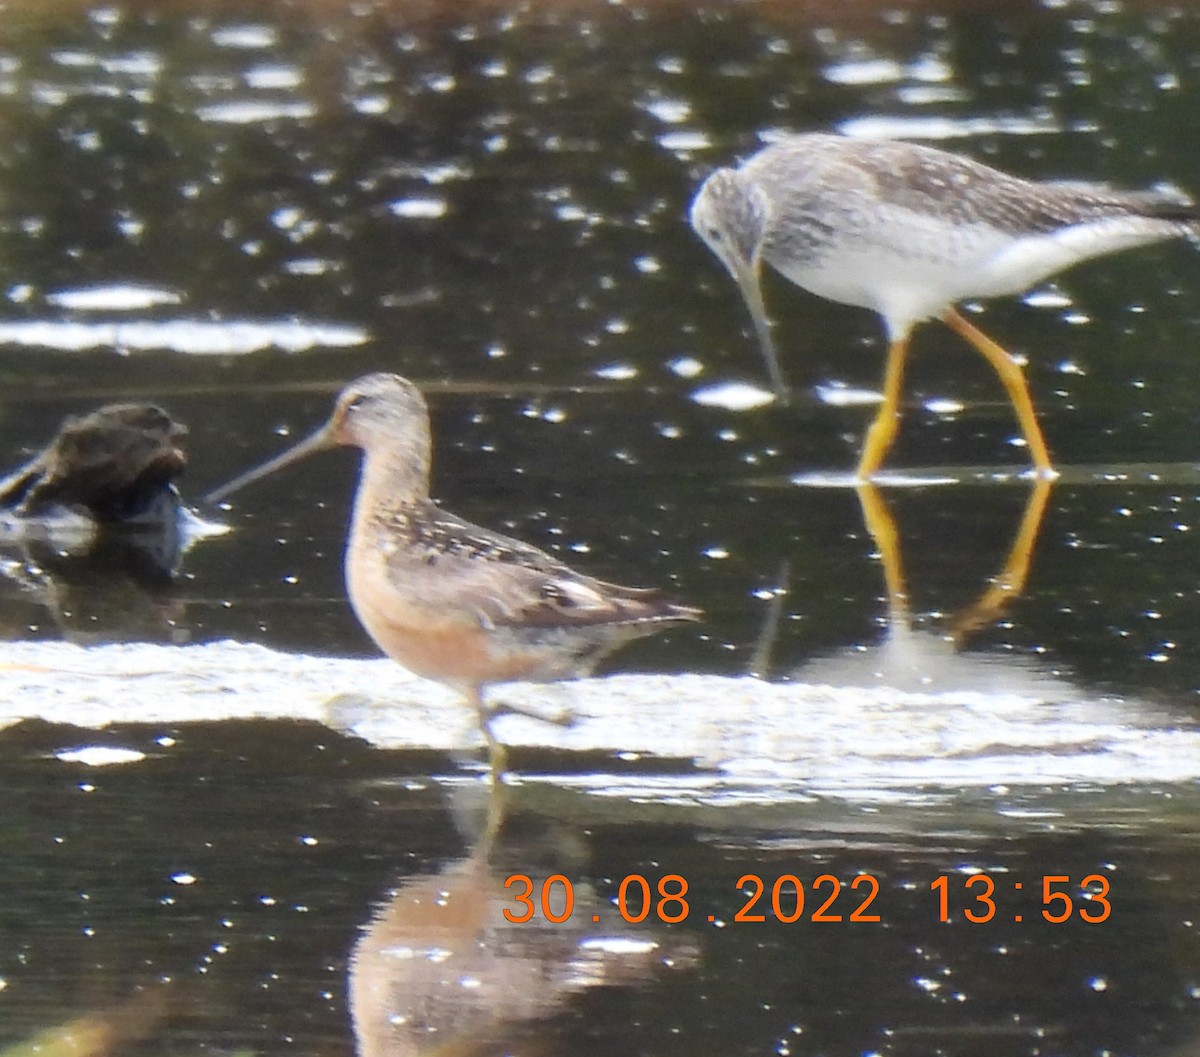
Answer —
(914, 659)
(439, 969)
(1005, 586)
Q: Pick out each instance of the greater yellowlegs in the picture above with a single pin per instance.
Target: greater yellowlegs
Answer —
(909, 231)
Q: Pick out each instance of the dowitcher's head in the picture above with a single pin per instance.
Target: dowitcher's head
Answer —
(377, 409)
(383, 414)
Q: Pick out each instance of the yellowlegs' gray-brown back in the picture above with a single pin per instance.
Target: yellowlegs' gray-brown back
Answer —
(447, 599)
(909, 231)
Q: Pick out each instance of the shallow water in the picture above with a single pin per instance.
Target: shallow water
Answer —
(231, 827)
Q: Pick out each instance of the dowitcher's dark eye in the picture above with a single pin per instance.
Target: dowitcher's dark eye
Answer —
(358, 401)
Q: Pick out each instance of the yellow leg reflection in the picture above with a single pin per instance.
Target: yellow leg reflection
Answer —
(877, 516)
(1010, 581)
(883, 429)
(1005, 586)
(497, 806)
(1014, 381)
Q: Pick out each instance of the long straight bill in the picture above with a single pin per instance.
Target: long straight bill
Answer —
(748, 282)
(317, 442)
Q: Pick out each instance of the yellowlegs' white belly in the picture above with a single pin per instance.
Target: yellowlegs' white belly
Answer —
(910, 266)
(904, 284)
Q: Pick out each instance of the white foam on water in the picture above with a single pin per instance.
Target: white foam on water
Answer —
(909, 718)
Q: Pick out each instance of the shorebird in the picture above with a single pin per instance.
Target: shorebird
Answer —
(117, 464)
(447, 599)
(909, 231)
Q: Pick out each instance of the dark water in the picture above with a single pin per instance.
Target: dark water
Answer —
(233, 210)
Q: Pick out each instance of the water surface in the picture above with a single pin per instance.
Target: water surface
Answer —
(231, 827)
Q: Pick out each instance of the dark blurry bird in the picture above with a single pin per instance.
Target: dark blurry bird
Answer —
(117, 464)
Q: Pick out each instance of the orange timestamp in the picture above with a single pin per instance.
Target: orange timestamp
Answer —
(667, 899)
(783, 898)
(1058, 903)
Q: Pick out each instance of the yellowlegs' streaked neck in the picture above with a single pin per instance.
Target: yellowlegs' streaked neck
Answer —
(909, 231)
(447, 599)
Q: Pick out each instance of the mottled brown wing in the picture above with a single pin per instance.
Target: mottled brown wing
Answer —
(507, 582)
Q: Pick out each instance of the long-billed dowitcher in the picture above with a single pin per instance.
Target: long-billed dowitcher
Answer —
(447, 599)
(909, 231)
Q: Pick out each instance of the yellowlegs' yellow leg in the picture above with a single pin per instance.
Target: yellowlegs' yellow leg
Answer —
(1014, 381)
(886, 424)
